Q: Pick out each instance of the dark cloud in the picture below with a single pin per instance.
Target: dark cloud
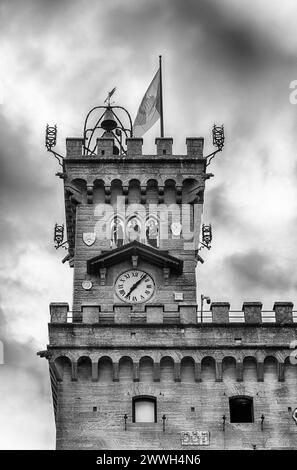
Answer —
(219, 209)
(21, 357)
(28, 197)
(255, 271)
(230, 40)
(193, 30)
(37, 14)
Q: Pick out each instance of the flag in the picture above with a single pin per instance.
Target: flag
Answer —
(149, 110)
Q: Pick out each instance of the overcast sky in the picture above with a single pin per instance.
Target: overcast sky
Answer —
(224, 61)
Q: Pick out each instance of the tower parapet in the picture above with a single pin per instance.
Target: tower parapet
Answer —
(175, 314)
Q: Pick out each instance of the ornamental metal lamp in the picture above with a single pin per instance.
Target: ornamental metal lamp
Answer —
(218, 140)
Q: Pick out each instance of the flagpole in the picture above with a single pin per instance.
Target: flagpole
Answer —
(161, 99)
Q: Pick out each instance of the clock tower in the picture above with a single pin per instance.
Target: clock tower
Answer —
(133, 224)
(130, 365)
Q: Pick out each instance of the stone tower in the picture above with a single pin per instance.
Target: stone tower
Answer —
(130, 365)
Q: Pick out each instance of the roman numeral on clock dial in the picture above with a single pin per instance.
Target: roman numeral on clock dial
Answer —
(135, 286)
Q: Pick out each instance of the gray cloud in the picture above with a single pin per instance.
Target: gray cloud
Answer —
(255, 270)
(21, 357)
(219, 65)
(219, 210)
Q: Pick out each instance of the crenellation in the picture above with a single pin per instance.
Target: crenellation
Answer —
(182, 312)
(164, 145)
(195, 146)
(252, 312)
(74, 147)
(220, 312)
(59, 312)
(134, 146)
(105, 147)
(283, 312)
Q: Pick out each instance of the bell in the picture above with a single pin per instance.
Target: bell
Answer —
(108, 123)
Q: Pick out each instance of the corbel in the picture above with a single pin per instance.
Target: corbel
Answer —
(179, 191)
(166, 273)
(125, 192)
(134, 261)
(102, 273)
(107, 189)
(161, 194)
(89, 194)
(143, 194)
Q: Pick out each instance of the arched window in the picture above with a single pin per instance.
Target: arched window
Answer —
(133, 229)
(241, 409)
(116, 232)
(144, 409)
(152, 231)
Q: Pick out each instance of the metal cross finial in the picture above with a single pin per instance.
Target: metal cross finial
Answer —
(164, 420)
(262, 422)
(109, 96)
(125, 419)
(224, 422)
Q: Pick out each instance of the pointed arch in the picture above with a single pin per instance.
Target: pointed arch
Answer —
(133, 228)
(152, 230)
(117, 231)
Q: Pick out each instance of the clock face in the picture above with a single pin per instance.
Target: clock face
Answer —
(134, 286)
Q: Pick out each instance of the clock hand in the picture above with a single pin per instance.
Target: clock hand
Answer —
(135, 285)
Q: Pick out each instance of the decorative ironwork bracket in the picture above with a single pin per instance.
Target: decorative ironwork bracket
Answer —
(51, 141)
(218, 139)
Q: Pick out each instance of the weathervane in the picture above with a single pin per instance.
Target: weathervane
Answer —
(109, 121)
(112, 122)
(109, 96)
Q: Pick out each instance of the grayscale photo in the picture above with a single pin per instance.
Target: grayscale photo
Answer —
(148, 302)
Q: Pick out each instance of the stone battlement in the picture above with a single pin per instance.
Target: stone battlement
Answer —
(105, 148)
(219, 313)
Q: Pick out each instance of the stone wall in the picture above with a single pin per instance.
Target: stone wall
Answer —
(91, 413)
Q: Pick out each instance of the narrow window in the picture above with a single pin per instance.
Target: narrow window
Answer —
(152, 232)
(241, 409)
(144, 409)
